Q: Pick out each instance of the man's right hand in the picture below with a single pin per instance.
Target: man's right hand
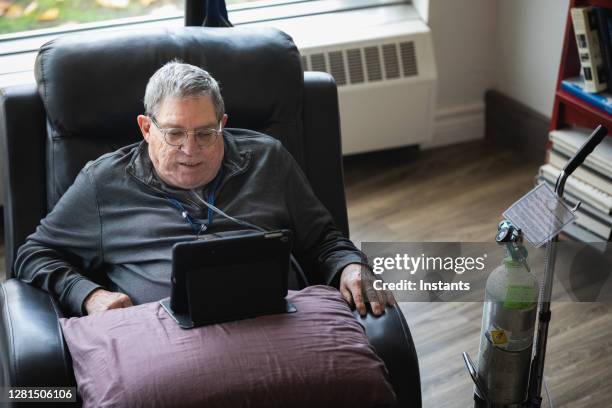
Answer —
(100, 300)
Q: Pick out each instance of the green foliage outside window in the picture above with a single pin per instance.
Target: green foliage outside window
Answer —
(24, 15)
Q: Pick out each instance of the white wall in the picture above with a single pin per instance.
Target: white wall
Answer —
(529, 41)
(464, 44)
(513, 46)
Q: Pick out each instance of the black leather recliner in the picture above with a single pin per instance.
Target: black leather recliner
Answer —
(89, 92)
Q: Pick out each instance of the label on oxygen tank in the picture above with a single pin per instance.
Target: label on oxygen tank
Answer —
(519, 297)
(498, 337)
(501, 337)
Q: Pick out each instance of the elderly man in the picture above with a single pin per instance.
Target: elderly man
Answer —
(108, 241)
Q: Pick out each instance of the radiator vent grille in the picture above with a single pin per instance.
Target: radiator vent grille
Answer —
(372, 60)
(336, 66)
(368, 64)
(408, 58)
(317, 62)
(391, 61)
(355, 65)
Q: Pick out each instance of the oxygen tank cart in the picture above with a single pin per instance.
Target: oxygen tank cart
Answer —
(524, 386)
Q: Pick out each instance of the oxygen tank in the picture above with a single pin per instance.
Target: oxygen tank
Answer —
(506, 338)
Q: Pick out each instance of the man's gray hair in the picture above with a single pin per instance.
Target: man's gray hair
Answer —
(179, 80)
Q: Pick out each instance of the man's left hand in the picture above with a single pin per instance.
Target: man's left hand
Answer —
(351, 290)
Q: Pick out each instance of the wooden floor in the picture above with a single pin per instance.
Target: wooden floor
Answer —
(458, 194)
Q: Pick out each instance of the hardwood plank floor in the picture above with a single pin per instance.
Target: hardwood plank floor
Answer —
(458, 193)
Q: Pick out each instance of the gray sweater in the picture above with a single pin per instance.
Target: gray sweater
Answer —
(115, 226)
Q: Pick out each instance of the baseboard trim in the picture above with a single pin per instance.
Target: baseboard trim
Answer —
(510, 123)
(458, 124)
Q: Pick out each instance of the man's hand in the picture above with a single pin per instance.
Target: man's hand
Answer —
(100, 300)
(351, 289)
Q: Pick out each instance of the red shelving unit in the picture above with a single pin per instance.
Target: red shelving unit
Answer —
(567, 109)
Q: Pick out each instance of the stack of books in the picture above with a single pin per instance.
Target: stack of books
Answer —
(593, 31)
(591, 183)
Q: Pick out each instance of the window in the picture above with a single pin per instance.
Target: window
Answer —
(23, 18)
(25, 15)
(19, 44)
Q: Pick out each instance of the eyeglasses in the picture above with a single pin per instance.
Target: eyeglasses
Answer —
(178, 136)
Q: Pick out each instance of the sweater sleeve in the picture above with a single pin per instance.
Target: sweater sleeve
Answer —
(66, 246)
(317, 239)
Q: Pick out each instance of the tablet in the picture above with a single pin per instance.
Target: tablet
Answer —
(229, 278)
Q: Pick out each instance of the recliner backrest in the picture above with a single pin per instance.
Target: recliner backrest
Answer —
(92, 88)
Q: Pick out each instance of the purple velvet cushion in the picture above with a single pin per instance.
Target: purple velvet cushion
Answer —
(317, 357)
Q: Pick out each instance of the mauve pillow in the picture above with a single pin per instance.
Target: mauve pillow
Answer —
(317, 357)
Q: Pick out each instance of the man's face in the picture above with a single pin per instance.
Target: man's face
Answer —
(186, 166)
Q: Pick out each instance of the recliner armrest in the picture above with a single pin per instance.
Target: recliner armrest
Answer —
(323, 146)
(32, 346)
(390, 336)
(22, 157)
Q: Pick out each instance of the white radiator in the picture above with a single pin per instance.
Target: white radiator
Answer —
(382, 58)
(386, 77)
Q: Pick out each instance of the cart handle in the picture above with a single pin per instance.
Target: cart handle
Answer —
(596, 137)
